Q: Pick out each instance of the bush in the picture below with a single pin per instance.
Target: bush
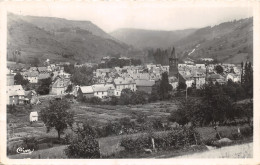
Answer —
(83, 144)
(84, 147)
(247, 131)
(175, 139)
(30, 143)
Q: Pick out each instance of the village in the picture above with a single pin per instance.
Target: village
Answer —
(127, 98)
(109, 82)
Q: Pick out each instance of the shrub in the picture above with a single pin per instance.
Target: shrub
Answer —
(83, 147)
(247, 131)
(175, 139)
(95, 100)
(30, 143)
(83, 144)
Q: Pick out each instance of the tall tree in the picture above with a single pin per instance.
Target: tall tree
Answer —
(58, 116)
(165, 87)
(248, 79)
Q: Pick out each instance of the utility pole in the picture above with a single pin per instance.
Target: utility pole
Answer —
(186, 92)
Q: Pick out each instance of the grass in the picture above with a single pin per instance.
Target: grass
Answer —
(101, 114)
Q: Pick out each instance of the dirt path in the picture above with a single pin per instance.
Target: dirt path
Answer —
(237, 151)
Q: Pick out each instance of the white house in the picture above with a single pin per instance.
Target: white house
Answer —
(124, 83)
(33, 116)
(233, 77)
(103, 90)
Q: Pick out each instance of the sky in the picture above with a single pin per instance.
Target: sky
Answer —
(111, 16)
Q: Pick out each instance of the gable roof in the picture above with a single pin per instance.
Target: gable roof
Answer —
(86, 89)
(102, 87)
(42, 69)
(122, 81)
(31, 74)
(215, 76)
(14, 90)
(43, 75)
(145, 83)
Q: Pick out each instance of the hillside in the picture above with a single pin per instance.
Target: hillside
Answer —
(230, 42)
(60, 40)
(150, 38)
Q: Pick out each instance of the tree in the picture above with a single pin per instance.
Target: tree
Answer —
(165, 87)
(69, 89)
(139, 97)
(154, 96)
(19, 80)
(247, 79)
(219, 69)
(83, 144)
(57, 116)
(44, 86)
(125, 98)
(181, 86)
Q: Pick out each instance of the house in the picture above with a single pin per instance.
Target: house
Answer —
(102, 72)
(144, 85)
(15, 94)
(103, 90)
(42, 69)
(174, 82)
(10, 79)
(216, 78)
(124, 83)
(199, 78)
(43, 76)
(233, 77)
(32, 69)
(31, 97)
(207, 59)
(32, 76)
(85, 91)
(201, 66)
(187, 79)
(59, 86)
(33, 116)
(141, 76)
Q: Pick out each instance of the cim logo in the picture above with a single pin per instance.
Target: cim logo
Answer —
(21, 150)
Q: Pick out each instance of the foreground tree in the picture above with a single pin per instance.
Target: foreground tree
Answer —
(57, 116)
(83, 144)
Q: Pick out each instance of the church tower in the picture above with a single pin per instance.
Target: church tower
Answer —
(173, 64)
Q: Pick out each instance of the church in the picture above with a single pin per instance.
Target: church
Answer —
(173, 69)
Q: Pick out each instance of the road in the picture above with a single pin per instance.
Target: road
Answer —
(236, 151)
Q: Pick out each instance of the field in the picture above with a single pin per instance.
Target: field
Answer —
(20, 127)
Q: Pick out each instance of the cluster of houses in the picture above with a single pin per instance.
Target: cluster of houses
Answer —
(17, 95)
(111, 81)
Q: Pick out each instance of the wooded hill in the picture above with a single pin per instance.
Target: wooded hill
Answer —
(230, 42)
(60, 40)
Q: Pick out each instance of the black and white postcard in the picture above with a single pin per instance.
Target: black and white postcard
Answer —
(128, 82)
